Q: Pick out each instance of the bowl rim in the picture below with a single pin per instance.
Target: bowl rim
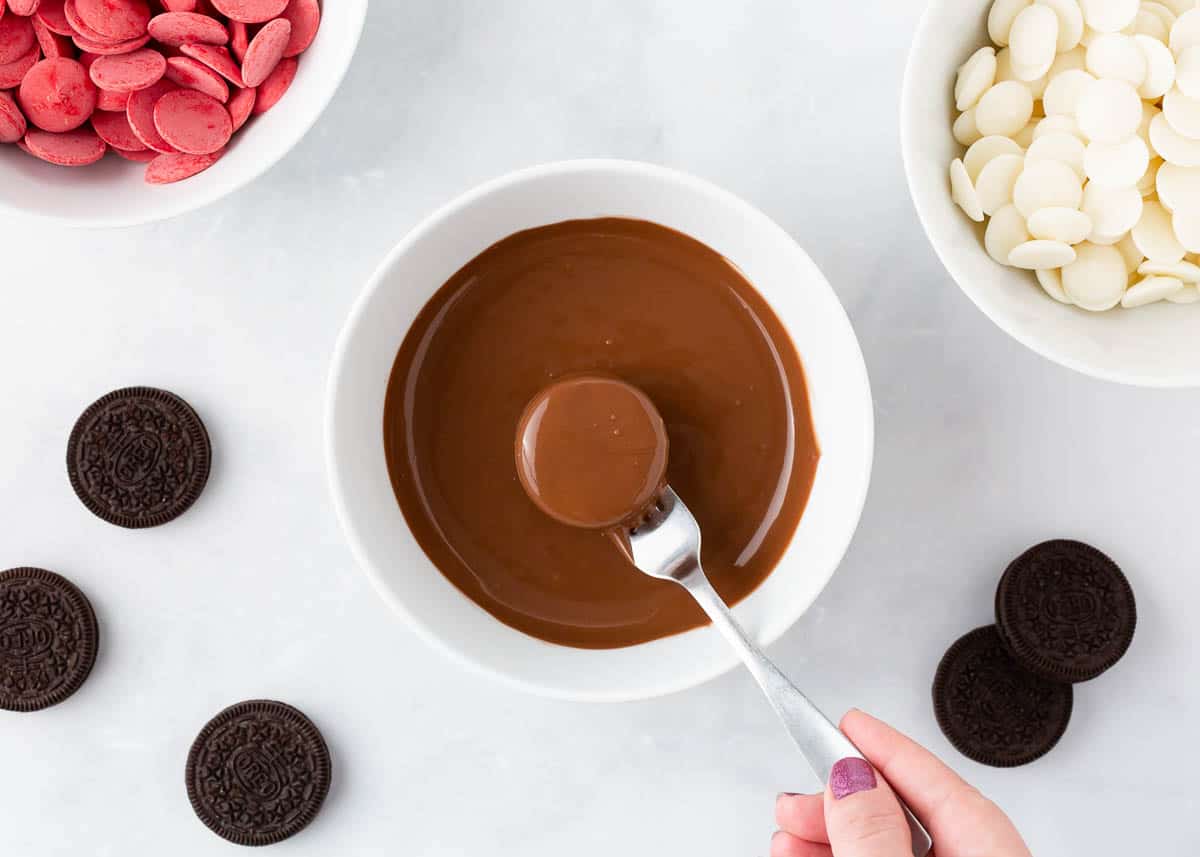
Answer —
(921, 35)
(103, 219)
(727, 659)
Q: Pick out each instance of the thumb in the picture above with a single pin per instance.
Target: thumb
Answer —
(862, 815)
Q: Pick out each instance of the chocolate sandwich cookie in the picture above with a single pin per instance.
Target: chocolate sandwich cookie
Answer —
(1065, 611)
(139, 457)
(258, 773)
(991, 708)
(48, 639)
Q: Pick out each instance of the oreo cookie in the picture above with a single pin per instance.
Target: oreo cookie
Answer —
(48, 639)
(1065, 611)
(139, 457)
(992, 709)
(258, 773)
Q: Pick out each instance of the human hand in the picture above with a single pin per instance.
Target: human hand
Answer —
(858, 814)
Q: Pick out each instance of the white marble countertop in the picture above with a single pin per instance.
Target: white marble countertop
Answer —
(983, 449)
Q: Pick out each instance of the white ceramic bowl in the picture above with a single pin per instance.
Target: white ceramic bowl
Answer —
(113, 192)
(1155, 346)
(428, 256)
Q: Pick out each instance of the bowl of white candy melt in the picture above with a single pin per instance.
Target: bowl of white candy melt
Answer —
(1052, 149)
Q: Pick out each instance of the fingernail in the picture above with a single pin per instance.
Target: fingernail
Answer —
(787, 794)
(851, 776)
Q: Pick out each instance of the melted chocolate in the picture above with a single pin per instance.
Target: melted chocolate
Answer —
(626, 299)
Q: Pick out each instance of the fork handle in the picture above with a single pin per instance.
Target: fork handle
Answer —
(821, 743)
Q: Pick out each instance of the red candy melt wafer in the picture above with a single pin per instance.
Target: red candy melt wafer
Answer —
(139, 156)
(79, 27)
(153, 76)
(113, 128)
(76, 148)
(218, 59)
(239, 39)
(57, 95)
(114, 20)
(166, 169)
(110, 48)
(265, 51)
(51, 14)
(305, 17)
(274, 87)
(16, 38)
(52, 44)
(128, 72)
(12, 123)
(25, 8)
(12, 73)
(193, 74)
(250, 11)
(140, 112)
(181, 28)
(192, 122)
(111, 101)
(241, 106)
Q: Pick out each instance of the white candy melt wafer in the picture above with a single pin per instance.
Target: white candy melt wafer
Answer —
(1077, 173)
(1186, 224)
(1171, 146)
(963, 192)
(1118, 57)
(975, 77)
(1187, 72)
(1116, 165)
(1154, 235)
(1005, 109)
(1063, 93)
(1070, 22)
(1061, 124)
(1058, 146)
(1001, 17)
(997, 180)
(1033, 41)
(1068, 225)
(1161, 68)
(1051, 283)
(1186, 271)
(1151, 290)
(985, 149)
(1097, 278)
(1114, 211)
(964, 130)
(1005, 231)
(1108, 111)
(1109, 16)
(1041, 255)
(1178, 187)
(1186, 295)
(1047, 184)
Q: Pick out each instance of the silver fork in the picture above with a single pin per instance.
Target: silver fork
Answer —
(666, 545)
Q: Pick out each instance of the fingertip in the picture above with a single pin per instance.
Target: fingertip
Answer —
(802, 816)
(856, 716)
(784, 844)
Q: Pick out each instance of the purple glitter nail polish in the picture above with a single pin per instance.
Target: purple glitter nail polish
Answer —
(851, 776)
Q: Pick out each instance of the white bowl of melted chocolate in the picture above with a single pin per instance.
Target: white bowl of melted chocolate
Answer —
(500, 322)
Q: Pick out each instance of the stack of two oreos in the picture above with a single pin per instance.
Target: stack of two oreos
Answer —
(1003, 694)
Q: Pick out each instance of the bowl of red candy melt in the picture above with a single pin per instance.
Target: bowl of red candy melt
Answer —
(118, 112)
